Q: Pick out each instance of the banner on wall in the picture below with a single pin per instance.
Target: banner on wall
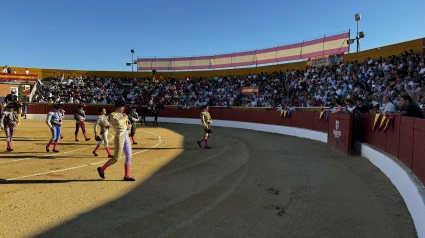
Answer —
(326, 45)
(249, 90)
(326, 60)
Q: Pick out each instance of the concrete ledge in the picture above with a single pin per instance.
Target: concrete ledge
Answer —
(409, 186)
(284, 130)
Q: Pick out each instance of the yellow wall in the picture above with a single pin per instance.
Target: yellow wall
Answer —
(385, 51)
(45, 73)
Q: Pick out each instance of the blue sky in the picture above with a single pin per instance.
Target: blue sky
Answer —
(98, 35)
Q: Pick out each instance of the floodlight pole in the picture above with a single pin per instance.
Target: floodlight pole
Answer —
(357, 37)
(132, 61)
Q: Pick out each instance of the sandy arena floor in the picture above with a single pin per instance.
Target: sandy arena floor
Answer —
(251, 184)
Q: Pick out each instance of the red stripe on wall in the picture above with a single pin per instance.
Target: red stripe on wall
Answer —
(254, 62)
(326, 52)
(261, 51)
(21, 75)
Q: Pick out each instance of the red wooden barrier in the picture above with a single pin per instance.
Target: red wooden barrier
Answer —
(340, 132)
(418, 158)
(308, 120)
(274, 117)
(406, 141)
(405, 136)
(296, 119)
(392, 142)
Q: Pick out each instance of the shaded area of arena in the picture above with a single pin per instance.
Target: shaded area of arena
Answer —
(251, 184)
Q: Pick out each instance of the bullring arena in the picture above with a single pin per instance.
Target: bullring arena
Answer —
(250, 184)
(270, 173)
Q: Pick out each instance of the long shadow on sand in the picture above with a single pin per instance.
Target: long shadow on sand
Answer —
(174, 148)
(217, 192)
(3, 181)
(26, 152)
(52, 156)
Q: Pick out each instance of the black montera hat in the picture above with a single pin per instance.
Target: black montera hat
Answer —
(57, 106)
(119, 104)
(133, 107)
(81, 106)
(10, 106)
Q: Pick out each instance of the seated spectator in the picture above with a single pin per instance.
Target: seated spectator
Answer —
(422, 102)
(409, 108)
(370, 79)
(361, 108)
(388, 106)
(338, 108)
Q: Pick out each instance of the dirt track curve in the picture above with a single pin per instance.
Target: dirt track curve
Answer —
(250, 184)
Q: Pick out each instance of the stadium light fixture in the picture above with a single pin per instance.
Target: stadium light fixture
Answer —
(350, 41)
(359, 35)
(132, 61)
(128, 64)
(357, 16)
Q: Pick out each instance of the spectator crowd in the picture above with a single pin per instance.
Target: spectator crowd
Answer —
(371, 83)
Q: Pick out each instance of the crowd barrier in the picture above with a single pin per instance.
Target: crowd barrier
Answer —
(404, 136)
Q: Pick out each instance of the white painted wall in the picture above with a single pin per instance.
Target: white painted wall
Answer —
(285, 130)
(409, 186)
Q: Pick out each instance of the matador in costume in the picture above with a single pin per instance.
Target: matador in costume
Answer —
(121, 124)
(54, 122)
(102, 138)
(206, 122)
(8, 122)
(80, 117)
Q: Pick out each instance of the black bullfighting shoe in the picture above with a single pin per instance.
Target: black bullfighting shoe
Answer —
(129, 179)
(99, 170)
